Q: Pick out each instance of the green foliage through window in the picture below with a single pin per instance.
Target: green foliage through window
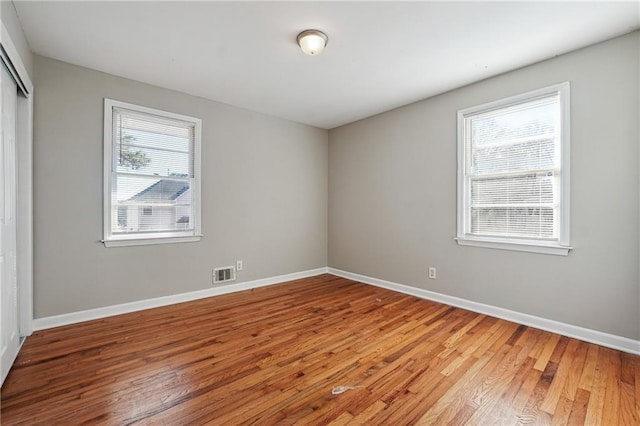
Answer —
(133, 159)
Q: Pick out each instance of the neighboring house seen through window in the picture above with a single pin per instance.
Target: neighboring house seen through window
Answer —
(152, 176)
(513, 173)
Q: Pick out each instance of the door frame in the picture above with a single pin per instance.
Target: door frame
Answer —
(24, 189)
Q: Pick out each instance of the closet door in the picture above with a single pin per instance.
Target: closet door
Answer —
(9, 342)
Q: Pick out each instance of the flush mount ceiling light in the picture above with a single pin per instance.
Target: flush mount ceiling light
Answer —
(312, 41)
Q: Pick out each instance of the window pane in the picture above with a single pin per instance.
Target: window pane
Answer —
(152, 162)
(514, 222)
(148, 204)
(157, 218)
(520, 121)
(533, 154)
(532, 189)
(153, 131)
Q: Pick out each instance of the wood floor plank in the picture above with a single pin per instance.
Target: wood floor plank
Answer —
(460, 391)
(560, 379)
(628, 413)
(575, 371)
(544, 356)
(579, 408)
(524, 394)
(272, 355)
(532, 412)
(562, 411)
(637, 387)
(595, 409)
(495, 385)
(505, 412)
(612, 392)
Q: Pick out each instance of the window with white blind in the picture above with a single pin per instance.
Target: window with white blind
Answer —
(513, 173)
(151, 176)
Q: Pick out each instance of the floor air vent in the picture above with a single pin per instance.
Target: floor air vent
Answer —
(222, 275)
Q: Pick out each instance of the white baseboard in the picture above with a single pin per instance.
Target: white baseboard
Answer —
(108, 311)
(604, 339)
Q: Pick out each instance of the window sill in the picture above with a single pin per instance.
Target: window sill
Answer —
(126, 242)
(552, 249)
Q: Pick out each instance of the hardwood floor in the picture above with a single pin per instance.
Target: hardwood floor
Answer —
(274, 354)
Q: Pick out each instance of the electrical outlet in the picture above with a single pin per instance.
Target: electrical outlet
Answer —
(432, 273)
(239, 265)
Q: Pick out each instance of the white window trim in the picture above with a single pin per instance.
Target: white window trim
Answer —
(160, 238)
(561, 247)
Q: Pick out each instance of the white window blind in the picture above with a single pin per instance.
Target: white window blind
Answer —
(512, 180)
(153, 178)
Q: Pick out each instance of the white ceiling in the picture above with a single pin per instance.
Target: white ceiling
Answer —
(380, 55)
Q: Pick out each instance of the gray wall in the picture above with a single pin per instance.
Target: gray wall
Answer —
(11, 22)
(392, 197)
(264, 188)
